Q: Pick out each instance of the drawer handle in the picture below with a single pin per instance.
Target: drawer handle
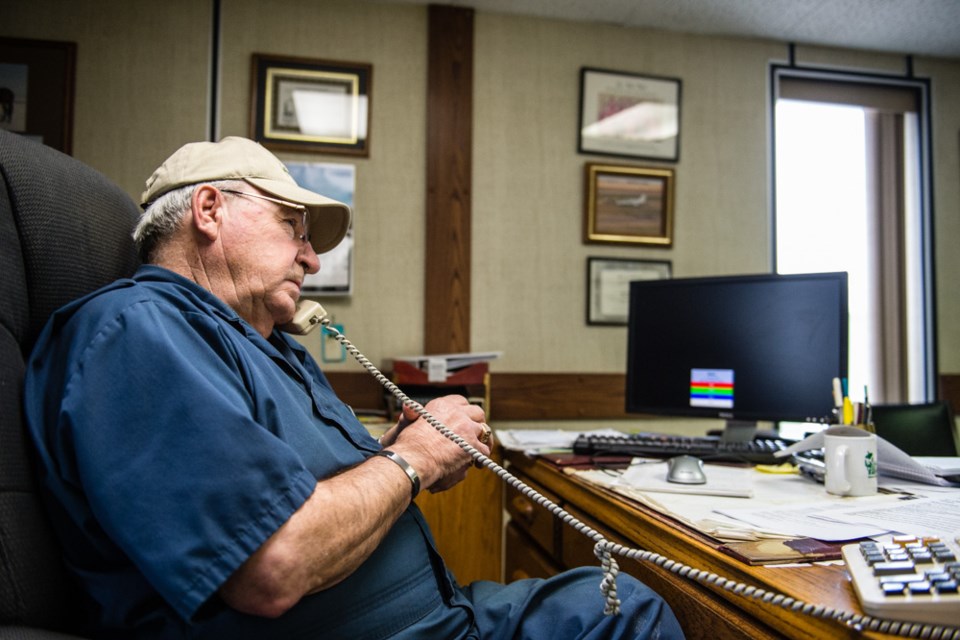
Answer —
(524, 508)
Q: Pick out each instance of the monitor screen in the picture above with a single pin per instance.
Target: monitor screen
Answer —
(759, 347)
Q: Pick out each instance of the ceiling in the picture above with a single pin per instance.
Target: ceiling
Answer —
(917, 27)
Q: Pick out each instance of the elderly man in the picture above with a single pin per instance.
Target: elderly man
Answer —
(203, 477)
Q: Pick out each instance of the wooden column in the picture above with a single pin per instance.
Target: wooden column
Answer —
(449, 172)
(466, 521)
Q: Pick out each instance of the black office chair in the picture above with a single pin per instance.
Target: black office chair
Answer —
(64, 231)
(918, 429)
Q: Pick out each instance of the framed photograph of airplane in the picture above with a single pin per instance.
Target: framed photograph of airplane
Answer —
(628, 205)
(629, 115)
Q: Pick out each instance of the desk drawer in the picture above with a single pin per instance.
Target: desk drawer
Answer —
(524, 559)
(535, 521)
(701, 613)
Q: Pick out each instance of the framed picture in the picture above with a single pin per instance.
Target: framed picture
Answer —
(337, 181)
(311, 105)
(632, 205)
(36, 90)
(630, 115)
(608, 286)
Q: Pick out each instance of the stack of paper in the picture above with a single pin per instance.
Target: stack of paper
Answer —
(536, 441)
(947, 468)
(891, 461)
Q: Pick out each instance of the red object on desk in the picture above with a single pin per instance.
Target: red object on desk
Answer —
(583, 461)
(406, 373)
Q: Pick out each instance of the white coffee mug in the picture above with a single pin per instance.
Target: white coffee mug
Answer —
(850, 455)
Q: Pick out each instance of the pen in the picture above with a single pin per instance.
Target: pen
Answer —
(837, 393)
(868, 418)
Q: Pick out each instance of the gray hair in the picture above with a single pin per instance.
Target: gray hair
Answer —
(165, 215)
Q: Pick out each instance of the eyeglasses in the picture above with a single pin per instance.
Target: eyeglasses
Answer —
(297, 233)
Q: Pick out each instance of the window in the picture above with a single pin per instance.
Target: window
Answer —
(851, 193)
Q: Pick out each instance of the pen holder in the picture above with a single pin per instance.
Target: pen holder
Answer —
(837, 419)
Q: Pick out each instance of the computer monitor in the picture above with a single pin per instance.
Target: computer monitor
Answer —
(740, 348)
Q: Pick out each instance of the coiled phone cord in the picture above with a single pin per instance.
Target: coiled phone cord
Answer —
(605, 549)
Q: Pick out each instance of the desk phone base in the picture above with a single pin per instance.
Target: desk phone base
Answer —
(908, 579)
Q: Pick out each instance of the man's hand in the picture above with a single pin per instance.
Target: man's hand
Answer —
(440, 462)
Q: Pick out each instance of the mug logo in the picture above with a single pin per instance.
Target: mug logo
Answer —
(870, 462)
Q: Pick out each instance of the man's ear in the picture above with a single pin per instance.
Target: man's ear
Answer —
(206, 206)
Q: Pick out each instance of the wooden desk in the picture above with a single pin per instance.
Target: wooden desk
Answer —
(539, 545)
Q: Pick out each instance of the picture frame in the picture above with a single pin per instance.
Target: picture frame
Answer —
(629, 115)
(337, 181)
(301, 104)
(37, 90)
(628, 205)
(608, 286)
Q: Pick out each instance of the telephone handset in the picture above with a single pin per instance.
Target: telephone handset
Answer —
(310, 315)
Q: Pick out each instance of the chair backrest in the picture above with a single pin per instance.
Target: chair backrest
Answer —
(918, 429)
(64, 231)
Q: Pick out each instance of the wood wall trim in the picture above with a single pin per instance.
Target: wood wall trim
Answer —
(551, 396)
(449, 175)
(557, 396)
(515, 396)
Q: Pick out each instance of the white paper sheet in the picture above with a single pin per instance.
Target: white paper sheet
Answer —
(647, 475)
(533, 441)
(918, 512)
(930, 515)
(786, 506)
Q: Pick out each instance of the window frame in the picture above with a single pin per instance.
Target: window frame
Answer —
(882, 91)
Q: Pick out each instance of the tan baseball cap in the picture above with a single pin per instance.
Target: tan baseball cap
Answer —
(235, 158)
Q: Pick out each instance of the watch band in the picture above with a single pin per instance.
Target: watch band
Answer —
(407, 469)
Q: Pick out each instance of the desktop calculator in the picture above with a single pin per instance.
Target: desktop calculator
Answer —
(908, 578)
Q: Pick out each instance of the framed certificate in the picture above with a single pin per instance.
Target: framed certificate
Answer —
(608, 286)
(311, 105)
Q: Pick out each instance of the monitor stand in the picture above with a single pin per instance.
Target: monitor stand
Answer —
(739, 431)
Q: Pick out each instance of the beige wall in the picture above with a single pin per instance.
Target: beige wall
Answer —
(529, 258)
(946, 196)
(142, 75)
(385, 316)
(141, 81)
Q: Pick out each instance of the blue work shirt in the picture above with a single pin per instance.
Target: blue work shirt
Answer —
(174, 439)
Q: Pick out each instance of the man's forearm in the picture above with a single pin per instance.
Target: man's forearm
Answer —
(348, 515)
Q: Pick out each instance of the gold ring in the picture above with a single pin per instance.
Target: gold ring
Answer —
(484, 434)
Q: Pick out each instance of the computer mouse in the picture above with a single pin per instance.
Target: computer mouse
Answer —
(686, 470)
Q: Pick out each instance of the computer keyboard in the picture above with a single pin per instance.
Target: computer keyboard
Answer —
(909, 579)
(707, 448)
